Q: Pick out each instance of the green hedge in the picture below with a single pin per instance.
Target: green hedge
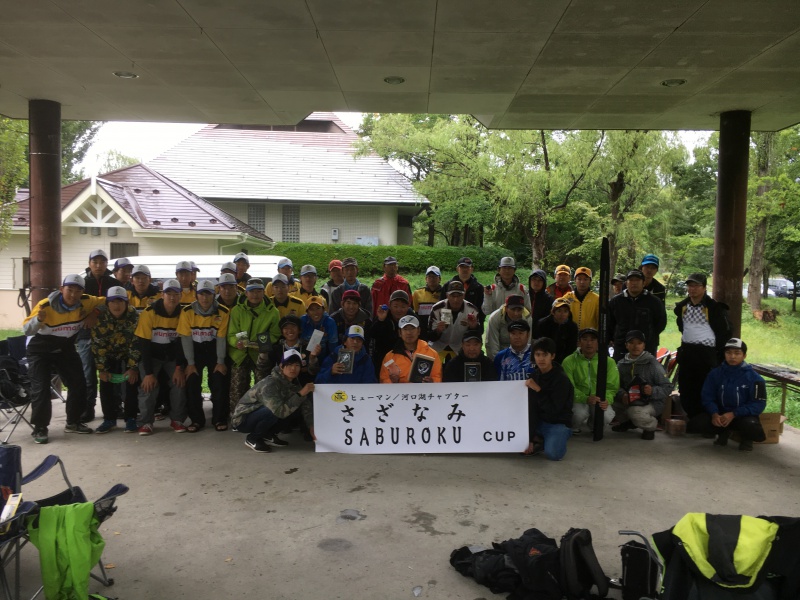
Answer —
(412, 259)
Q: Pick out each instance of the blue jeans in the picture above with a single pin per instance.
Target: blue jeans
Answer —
(555, 439)
(258, 423)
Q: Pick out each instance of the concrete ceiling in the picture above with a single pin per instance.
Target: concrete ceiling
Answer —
(515, 64)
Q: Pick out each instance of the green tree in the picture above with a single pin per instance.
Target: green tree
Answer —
(114, 159)
(13, 170)
(76, 139)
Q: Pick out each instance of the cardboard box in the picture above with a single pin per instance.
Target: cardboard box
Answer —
(773, 428)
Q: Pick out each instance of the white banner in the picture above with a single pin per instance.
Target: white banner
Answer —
(421, 418)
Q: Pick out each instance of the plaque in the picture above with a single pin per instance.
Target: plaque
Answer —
(421, 367)
(472, 371)
(347, 358)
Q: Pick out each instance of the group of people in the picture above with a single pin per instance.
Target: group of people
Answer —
(263, 347)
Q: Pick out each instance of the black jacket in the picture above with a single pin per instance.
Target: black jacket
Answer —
(644, 312)
(565, 336)
(384, 338)
(454, 368)
(473, 292)
(96, 287)
(717, 315)
(553, 404)
(541, 304)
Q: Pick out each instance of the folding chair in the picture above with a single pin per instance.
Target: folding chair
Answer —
(16, 537)
(16, 348)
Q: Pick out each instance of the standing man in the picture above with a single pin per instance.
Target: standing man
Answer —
(351, 282)
(142, 292)
(227, 290)
(98, 281)
(506, 283)
(286, 304)
(473, 290)
(541, 301)
(122, 272)
(308, 282)
(336, 279)
(424, 298)
(635, 309)
(497, 325)
(242, 262)
(649, 268)
(385, 326)
(446, 332)
(561, 285)
(514, 362)
(559, 327)
(185, 274)
(383, 288)
(617, 283)
(286, 268)
(54, 322)
(352, 314)
(584, 303)
(704, 326)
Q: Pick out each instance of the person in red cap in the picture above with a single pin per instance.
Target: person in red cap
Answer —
(336, 279)
(383, 287)
(351, 314)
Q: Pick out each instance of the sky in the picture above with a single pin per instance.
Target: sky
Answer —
(145, 141)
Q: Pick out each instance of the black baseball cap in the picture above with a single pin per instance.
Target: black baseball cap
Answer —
(519, 325)
(634, 334)
(697, 278)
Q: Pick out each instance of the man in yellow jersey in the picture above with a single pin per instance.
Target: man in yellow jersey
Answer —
(285, 303)
(54, 324)
(142, 292)
(185, 274)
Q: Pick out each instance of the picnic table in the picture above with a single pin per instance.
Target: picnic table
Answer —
(786, 378)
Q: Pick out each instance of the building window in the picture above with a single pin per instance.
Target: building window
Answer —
(256, 217)
(291, 223)
(119, 250)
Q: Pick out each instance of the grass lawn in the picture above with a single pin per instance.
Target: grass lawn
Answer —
(766, 342)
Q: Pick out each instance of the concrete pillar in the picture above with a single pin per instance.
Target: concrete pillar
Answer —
(44, 127)
(729, 236)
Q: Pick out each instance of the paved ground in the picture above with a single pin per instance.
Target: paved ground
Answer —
(208, 518)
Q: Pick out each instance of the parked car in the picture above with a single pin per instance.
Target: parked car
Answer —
(770, 292)
(783, 288)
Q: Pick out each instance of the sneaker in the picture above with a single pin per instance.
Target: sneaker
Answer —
(746, 446)
(77, 428)
(146, 430)
(106, 426)
(274, 440)
(130, 426)
(257, 445)
(625, 426)
(722, 438)
(648, 435)
(40, 435)
(177, 427)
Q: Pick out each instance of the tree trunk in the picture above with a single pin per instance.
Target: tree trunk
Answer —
(431, 233)
(763, 167)
(537, 241)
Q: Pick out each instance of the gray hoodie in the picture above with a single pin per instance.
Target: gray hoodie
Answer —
(650, 371)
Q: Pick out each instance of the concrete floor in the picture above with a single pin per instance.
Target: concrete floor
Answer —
(208, 518)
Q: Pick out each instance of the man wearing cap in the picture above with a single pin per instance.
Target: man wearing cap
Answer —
(351, 314)
(185, 274)
(584, 303)
(449, 320)
(649, 268)
(384, 287)
(541, 301)
(473, 290)
(157, 333)
(506, 283)
(470, 364)
(142, 291)
(384, 326)
(704, 326)
(115, 354)
(561, 284)
(263, 410)
(635, 308)
(228, 291)
(423, 299)
(362, 371)
(254, 316)
(617, 283)
(497, 325)
(122, 272)
(734, 395)
(285, 303)
(396, 367)
(336, 279)
(581, 368)
(242, 262)
(308, 279)
(290, 326)
(351, 282)
(643, 387)
(98, 280)
(230, 268)
(559, 327)
(286, 268)
(203, 330)
(514, 363)
(317, 319)
(54, 323)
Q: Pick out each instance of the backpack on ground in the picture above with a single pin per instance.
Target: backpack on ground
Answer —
(640, 572)
(580, 570)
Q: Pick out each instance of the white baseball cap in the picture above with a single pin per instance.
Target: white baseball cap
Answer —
(74, 279)
(408, 320)
(141, 269)
(285, 262)
(227, 279)
(307, 270)
(434, 270)
(173, 285)
(98, 252)
(356, 331)
(228, 266)
(280, 278)
(122, 262)
(241, 256)
(116, 292)
(184, 265)
(205, 286)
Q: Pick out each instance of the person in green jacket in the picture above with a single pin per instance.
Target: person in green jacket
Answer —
(581, 368)
(254, 316)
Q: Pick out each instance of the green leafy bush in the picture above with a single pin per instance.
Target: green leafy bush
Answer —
(412, 259)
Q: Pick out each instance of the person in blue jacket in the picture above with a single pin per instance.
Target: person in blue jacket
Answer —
(317, 318)
(333, 371)
(733, 396)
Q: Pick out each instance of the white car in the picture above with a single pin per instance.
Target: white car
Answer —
(770, 292)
